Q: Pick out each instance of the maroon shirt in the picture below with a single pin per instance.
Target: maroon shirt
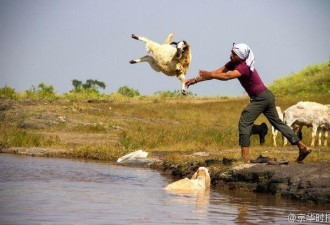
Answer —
(250, 80)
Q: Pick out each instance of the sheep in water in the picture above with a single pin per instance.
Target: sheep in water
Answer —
(201, 180)
(172, 61)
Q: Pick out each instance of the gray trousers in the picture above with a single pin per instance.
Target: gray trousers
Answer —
(262, 103)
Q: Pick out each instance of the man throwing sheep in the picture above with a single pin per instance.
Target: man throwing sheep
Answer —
(241, 66)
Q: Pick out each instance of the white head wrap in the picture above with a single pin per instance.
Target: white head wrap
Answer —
(244, 52)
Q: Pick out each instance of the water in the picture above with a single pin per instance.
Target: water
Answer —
(62, 191)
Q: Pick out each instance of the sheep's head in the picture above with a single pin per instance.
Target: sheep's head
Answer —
(203, 173)
(181, 48)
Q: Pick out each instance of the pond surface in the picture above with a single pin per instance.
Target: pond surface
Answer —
(63, 191)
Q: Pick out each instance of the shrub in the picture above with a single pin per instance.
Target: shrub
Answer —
(171, 94)
(41, 92)
(84, 94)
(8, 92)
(129, 92)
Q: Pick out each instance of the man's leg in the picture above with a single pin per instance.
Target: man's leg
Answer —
(248, 116)
(245, 154)
(278, 124)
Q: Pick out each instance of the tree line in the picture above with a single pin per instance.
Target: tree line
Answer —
(89, 89)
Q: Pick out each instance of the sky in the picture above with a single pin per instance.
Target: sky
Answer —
(57, 41)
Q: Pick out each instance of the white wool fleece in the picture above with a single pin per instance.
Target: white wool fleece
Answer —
(244, 52)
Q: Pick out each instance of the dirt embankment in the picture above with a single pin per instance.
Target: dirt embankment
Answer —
(305, 182)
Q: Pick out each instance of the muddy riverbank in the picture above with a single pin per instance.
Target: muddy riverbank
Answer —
(304, 182)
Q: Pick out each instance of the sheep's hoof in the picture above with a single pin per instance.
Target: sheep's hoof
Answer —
(135, 37)
(132, 61)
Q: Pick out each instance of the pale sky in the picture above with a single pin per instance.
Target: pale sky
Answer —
(56, 41)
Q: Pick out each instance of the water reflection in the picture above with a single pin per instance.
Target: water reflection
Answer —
(61, 191)
(200, 199)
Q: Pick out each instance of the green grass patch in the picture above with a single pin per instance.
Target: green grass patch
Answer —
(310, 81)
(90, 128)
(15, 137)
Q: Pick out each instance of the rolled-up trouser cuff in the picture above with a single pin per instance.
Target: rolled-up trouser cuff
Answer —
(294, 140)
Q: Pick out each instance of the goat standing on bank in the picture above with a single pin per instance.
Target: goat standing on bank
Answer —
(172, 61)
(310, 114)
(296, 128)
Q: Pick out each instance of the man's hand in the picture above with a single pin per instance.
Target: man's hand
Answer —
(191, 82)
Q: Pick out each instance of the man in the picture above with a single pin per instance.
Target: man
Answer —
(241, 66)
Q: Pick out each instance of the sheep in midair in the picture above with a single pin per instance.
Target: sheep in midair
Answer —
(165, 58)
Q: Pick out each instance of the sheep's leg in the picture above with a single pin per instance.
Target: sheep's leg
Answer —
(319, 136)
(313, 135)
(285, 141)
(148, 59)
(169, 38)
(325, 138)
(274, 132)
(144, 39)
(150, 45)
(183, 83)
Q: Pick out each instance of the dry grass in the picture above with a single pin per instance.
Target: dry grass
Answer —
(109, 129)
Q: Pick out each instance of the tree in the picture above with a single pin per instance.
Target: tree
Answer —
(93, 84)
(89, 84)
(77, 84)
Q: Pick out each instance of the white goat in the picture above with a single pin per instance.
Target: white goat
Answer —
(172, 61)
(310, 114)
(296, 128)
